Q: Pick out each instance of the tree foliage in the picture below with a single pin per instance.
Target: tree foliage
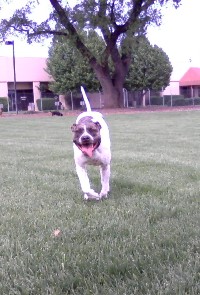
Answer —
(150, 67)
(68, 67)
(116, 20)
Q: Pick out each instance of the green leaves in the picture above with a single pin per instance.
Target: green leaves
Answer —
(150, 69)
(69, 69)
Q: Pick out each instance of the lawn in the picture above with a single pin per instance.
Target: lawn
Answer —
(144, 239)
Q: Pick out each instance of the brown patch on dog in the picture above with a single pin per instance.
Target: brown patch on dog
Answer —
(85, 120)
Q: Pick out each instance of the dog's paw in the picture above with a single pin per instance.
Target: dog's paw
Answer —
(91, 195)
(86, 197)
(103, 195)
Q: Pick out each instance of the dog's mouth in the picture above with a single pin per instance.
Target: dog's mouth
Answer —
(88, 149)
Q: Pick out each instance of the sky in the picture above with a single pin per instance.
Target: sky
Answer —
(178, 36)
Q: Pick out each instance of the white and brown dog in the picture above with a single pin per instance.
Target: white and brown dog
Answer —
(91, 144)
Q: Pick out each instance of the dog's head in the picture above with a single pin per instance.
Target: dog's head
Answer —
(87, 135)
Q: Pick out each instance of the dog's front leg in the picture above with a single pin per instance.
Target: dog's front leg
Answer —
(85, 183)
(105, 180)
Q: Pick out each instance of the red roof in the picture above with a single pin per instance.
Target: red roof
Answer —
(191, 77)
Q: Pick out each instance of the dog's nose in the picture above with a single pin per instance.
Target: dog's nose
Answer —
(85, 138)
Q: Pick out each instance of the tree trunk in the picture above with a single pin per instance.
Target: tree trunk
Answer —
(113, 95)
(63, 100)
(112, 84)
(110, 93)
(120, 94)
(112, 88)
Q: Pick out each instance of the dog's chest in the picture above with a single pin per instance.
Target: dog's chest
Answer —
(94, 162)
(96, 159)
(100, 157)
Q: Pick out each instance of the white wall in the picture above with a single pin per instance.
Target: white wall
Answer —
(172, 89)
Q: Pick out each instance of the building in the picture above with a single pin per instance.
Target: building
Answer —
(31, 81)
(172, 89)
(190, 83)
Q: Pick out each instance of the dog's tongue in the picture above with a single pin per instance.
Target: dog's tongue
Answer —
(87, 150)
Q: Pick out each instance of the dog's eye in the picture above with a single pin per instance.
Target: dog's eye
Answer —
(80, 130)
(92, 129)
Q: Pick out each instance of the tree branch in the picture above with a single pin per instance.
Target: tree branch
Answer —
(74, 36)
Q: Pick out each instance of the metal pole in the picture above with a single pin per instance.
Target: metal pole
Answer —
(149, 97)
(171, 100)
(125, 96)
(8, 105)
(72, 102)
(15, 89)
(100, 99)
(41, 105)
(127, 101)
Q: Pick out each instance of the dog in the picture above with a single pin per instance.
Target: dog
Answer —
(91, 144)
(56, 113)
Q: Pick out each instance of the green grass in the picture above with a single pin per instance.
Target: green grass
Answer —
(144, 239)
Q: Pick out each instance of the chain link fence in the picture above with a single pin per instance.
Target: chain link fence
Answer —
(131, 99)
(152, 98)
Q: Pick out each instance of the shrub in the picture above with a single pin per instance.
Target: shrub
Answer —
(186, 101)
(156, 100)
(176, 100)
(197, 100)
(4, 101)
(47, 104)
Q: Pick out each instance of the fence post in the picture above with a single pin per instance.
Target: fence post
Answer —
(100, 99)
(72, 102)
(125, 95)
(8, 104)
(41, 105)
(149, 97)
(163, 99)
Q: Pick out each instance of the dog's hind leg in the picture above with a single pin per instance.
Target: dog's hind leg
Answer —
(85, 184)
(105, 179)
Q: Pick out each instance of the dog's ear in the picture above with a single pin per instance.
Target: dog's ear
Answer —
(98, 125)
(73, 128)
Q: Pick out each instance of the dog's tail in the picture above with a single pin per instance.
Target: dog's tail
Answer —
(87, 103)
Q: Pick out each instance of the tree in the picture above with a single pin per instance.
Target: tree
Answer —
(69, 69)
(150, 67)
(117, 20)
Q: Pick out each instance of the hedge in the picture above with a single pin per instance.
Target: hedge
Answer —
(4, 101)
(181, 101)
(196, 100)
(48, 104)
(174, 100)
(156, 100)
